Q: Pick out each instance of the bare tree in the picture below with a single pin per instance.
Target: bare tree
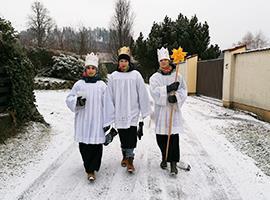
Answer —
(79, 41)
(58, 38)
(254, 41)
(87, 40)
(121, 26)
(70, 39)
(40, 23)
(26, 37)
(93, 41)
(83, 40)
(260, 40)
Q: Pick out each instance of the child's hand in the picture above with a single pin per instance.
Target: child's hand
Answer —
(172, 99)
(81, 101)
(173, 87)
(140, 130)
(109, 137)
(105, 129)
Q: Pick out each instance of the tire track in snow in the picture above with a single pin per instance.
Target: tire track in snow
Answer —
(219, 184)
(209, 178)
(47, 174)
(125, 184)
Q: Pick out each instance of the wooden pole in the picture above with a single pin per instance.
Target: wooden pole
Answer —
(171, 117)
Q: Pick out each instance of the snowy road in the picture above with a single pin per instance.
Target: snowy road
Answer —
(219, 171)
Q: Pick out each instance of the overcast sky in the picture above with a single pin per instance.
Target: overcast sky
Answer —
(229, 20)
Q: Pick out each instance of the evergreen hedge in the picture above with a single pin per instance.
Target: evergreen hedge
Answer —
(21, 73)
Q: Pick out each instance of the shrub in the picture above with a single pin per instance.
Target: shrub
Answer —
(21, 73)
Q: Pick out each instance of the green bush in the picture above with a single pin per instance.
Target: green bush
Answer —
(41, 58)
(69, 67)
(111, 67)
(66, 67)
(21, 73)
(103, 72)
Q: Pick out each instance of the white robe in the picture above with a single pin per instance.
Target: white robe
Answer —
(128, 94)
(158, 90)
(89, 119)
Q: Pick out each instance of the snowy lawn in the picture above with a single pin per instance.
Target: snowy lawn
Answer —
(44, 163)
(27, 156)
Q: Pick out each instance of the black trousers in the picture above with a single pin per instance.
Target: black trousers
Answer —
(174, 150)
(91, 156)
(128, 137)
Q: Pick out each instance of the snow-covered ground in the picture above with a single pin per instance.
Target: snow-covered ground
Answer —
(49, 79)
(44, 163)
(27, 156)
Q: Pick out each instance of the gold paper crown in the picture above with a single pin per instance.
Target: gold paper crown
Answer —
(124, 50)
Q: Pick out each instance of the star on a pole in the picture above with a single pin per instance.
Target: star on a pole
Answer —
(178, 55)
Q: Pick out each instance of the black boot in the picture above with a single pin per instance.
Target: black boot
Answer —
(174, 170)
(163, 164)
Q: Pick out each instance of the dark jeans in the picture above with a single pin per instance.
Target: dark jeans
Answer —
(128, 139)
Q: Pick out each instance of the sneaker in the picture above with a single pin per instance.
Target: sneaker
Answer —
(91, 176)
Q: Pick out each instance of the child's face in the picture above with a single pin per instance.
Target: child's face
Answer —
(123, 64)
(164, 65)
(91, 71)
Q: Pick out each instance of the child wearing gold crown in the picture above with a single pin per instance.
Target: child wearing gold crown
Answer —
(131, 101)
(167, 92)
(86, 100)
